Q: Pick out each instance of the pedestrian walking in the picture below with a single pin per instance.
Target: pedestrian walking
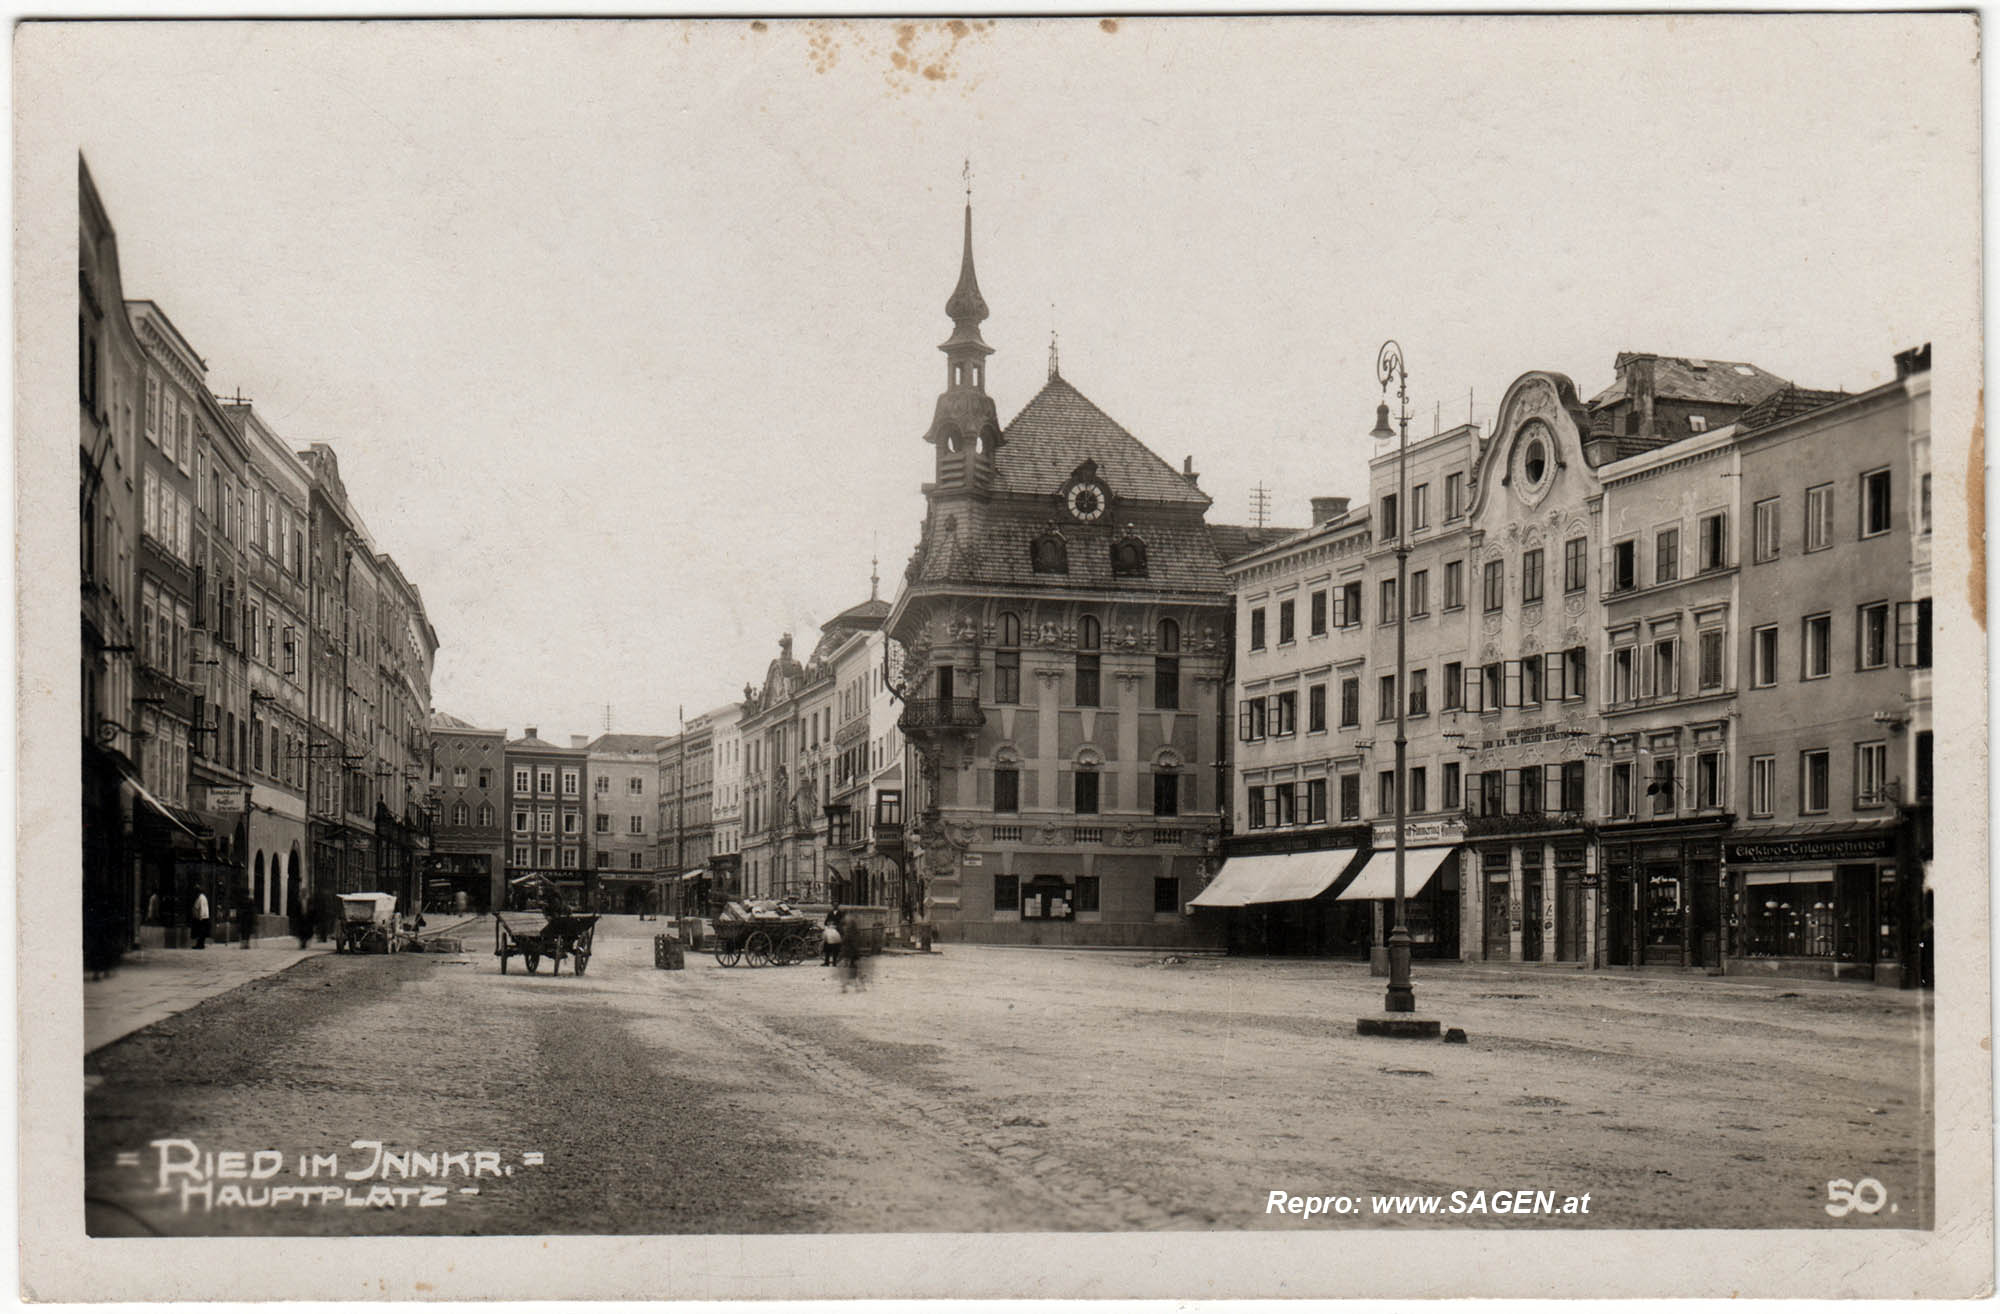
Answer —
(829, 939)
(301, 913)
(198, 919)
(850, 961)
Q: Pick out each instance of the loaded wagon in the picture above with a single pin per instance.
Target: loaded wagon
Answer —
(367, 924)
(764, 935)
(535, 936)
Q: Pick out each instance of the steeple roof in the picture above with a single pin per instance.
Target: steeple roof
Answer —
(966, 307)
(1060, 428)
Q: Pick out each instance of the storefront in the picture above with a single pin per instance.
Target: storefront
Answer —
(1430, 891)
(1823, 903)
(1279, 895)
(1662, 904)
(1528, 896)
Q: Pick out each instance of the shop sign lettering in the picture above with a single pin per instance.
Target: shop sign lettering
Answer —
(1812, 850)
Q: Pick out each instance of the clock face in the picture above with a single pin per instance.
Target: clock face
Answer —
(1086, 501)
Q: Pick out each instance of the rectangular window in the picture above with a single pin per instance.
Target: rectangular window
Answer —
(1708, 780)
(1006, 790)
(1819, 517)
(1006, 678)
(1086, 894)
(1624, 675)
(1531, 680)
(635, 785)
(1319, 611)
(1570, 799)
(520, 855)
(1495, 585)
(1496, 691)
(1661, 788)
(1871, 774)
(545, 823)
(1419, 790)
(1350, 798)
(1666, 668)
(1529, 797)
(1453, 686)
(572, 783)
(1454, 585)
(1254, 806)
(1710, 658)
(1815, 780)
(1924, 504)
(1251, 719)
(1872, 636)
(1764, 529)
(1316, 708)
(1256, 629)
(1713, 547)
(1763, 785)
(1386, 614)
(1454, 495)
(603, 824)
(545, 781)
(1166, 684)
(1286, 799)
(1624, 566)
(1621, 789)
(1350, 702)
(1386, 704)
(1818, 647)
(1492, 793)
(1006, 893)
(1390, 528)
(1087, 671)
(1576, 681)
(1575, 569)
(1531, 575)
(1286, 632)
(1913, 634)
(1420, 692)
(1667, 556)
(1420, 594)
(1475, 689)
(1285, 714)
(1420, 507)
(1875, 516)
(1166, 894)
(1315, 802)
(1763, 656)
(1166, 794)
(1349, 604)
(1086, 792)
(573, 823)
(636, 827)
(1450, 786)
(1385, 793)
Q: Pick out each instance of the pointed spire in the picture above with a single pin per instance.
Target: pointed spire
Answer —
(875, 577)
(1055, 365)
(966, 307)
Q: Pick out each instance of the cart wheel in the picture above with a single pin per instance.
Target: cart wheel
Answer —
(758, 950)
(577, 963)
(793, 950)
(726, 954)
(532, 960)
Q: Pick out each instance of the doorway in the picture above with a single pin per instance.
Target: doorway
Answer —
(1531, 917)
(1666, 917)
(1499, 943)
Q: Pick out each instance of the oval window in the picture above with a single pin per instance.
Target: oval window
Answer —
(1537, 464)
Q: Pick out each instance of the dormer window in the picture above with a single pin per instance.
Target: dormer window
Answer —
(1050, 555)
(1128, 559)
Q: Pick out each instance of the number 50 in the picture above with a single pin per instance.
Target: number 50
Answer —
(1844, 1197)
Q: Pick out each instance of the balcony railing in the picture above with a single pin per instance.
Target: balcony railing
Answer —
(941, 714)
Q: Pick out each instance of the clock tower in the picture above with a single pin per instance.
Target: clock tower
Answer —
(965, 429)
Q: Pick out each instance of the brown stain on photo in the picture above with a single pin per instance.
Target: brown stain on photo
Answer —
(1108, 24)
(1975, 515)
(929, 51)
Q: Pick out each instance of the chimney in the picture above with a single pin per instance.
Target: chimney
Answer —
(579, 741)
(1917, 360)
(1601, 445)
(1328, 508)
(532, 734)
(785, 646)
(1187, 469)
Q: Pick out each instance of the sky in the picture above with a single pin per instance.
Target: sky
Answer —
(625, 333)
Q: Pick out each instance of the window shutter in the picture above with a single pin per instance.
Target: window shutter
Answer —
(1474, 701)
(1552, 678)
(1243, 720)
(1906, 634)
(1511, 796)
(1510, 686)
(1552, 792)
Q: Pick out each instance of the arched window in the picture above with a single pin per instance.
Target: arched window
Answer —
(1088, 640)
(1128, 558)
(1167, 668)
(1007, 660)
(460, 815)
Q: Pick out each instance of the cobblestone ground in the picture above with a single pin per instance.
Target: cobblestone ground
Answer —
(985, 1089)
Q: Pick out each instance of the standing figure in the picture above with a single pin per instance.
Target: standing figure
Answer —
(300, 912)
(198, 918)
(829, 939)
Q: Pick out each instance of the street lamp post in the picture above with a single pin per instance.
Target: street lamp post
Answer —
(1401, 996)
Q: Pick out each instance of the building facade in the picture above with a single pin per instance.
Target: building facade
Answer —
(1063, 626)
(625, 837)
(726, 781)
(548, 816)
(469, 836)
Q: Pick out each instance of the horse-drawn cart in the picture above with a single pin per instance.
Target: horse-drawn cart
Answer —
(367, 924)
(535, 936)
(763, 935)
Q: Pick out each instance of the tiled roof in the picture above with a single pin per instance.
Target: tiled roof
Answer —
(446, 721)
(1060, 428)
(867, 615)
(995, 547)
(1234, 541)
(628, 743)
(529, 741)
(1684, 378)
(1785, 404)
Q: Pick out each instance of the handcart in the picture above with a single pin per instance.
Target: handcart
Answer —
(535, 936)
(764, 935)
(367, 924)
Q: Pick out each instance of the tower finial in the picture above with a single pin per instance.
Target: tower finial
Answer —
(875, 571)
(1055, 365)
(968, 180)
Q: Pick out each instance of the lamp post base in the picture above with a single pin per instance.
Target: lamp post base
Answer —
(1402, 1026)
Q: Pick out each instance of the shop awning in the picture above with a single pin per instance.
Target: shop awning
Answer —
(182, 817)
(1274, 878)
(1378, 879)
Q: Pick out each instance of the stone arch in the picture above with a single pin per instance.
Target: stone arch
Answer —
(257, 882)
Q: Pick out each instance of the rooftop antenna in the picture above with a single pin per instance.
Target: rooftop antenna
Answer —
(1260, 505)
